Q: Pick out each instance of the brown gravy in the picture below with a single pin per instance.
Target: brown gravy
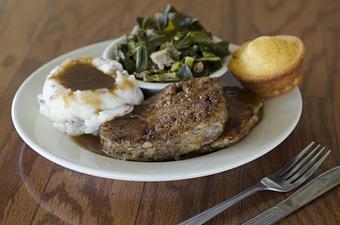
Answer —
(89, 142)
(82, 76)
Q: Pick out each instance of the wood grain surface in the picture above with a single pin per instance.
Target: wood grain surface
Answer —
(36, 191)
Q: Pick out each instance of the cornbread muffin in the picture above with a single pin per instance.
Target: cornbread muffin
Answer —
(269, 65)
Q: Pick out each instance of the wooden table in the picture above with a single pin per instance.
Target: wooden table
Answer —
(37, 191)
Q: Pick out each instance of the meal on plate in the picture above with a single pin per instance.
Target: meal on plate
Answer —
(98, 100)
(170, 47)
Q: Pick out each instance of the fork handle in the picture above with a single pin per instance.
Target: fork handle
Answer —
(213, 211)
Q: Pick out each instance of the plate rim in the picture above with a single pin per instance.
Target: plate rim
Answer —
(128, 176)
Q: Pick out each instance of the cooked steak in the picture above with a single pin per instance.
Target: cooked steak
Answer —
(178, 120)
(245, 110)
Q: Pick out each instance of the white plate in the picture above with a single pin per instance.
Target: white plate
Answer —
(281, 115)
(155, 87)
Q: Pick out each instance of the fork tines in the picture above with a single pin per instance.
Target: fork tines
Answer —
(304, 164)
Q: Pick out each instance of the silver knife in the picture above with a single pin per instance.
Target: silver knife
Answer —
(318, 186)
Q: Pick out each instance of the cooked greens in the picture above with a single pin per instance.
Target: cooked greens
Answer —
(170, 47)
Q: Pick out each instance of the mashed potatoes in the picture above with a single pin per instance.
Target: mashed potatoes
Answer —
(81, 94)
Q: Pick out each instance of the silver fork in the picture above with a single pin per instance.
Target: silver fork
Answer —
(289, 177)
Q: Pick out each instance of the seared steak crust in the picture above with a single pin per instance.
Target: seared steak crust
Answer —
(178, 120)
(245, 111)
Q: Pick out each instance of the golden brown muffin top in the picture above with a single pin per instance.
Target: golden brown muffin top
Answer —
(267, 56)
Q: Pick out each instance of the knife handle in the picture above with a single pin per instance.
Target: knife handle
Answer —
(268, 217)
(318, 186)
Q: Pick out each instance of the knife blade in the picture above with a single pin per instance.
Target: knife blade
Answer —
(318, 186)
